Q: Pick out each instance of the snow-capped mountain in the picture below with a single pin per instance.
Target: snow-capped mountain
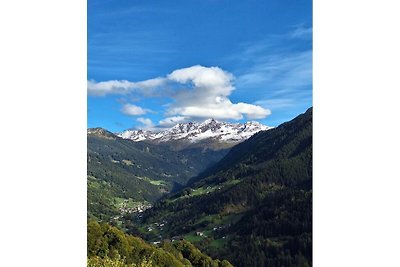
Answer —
(192, 132)
(137, 135)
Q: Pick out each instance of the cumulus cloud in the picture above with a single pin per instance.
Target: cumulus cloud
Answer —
(197, 92)
(212, 78)
(171, 121)
(207, 96)
(222, 109)
(147, 123)
(133, 110)
(252, 111)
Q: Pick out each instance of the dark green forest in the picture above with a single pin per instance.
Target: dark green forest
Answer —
(257, 202)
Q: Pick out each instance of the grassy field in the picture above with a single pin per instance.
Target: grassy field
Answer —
(207, 189)
(192, 237)
(218, 243)
(220, 220)
(153, 182)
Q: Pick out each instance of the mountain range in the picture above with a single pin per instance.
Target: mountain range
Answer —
(208, 134)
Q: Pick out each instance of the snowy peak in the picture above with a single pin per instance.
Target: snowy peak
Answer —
(193, 132)
(210, 122)
(136, 135)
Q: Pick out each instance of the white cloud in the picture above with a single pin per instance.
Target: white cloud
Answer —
(212, 78)
(222, 109)
(133, 110)
(208, 95)
(123, 87)
(147, 123)
(171, 121)
(197, 92)
(148, 86)
(252, 111)
(108, 87)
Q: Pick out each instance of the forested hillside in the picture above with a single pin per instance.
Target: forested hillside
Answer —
(123, 175)
(110, 247)
(254, 207)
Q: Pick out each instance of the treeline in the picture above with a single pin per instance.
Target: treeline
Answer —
(110, 247)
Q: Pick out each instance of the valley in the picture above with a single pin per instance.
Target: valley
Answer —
(135, 171)
(250, 204)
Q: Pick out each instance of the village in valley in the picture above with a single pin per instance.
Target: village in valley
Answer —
(130, 207)
(156, 230)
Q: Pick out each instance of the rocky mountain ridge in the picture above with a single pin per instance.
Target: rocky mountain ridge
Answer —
(192, 132)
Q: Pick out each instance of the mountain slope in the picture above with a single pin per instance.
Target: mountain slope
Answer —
(255, 206)
(121, 170)
(210, 134)
(262, 147)
(110, 247)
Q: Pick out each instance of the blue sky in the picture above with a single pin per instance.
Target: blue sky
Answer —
(152, 64)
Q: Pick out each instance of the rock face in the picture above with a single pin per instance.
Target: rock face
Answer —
(100, 132)
(210, 131)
